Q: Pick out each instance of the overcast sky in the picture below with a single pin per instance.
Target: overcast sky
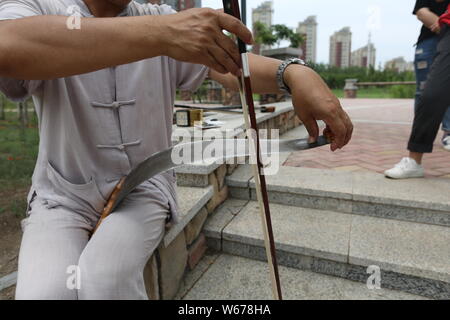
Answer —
(395, 29)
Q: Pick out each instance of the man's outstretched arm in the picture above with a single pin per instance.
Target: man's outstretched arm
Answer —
(311, 97)
(42, 47)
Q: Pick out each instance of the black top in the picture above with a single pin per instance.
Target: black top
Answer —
(435, 6)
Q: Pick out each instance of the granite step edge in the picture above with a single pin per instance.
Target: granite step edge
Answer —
(252, 247)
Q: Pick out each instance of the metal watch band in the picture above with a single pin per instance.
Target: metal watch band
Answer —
(282, 68)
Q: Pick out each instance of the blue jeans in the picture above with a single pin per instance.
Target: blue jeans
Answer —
(425, 54)
(434, 101)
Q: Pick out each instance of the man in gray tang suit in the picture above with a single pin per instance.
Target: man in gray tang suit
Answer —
(104, 88)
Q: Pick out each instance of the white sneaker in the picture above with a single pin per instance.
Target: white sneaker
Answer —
(446, 142)
(407, 168)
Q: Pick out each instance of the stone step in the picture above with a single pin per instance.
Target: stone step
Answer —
(411, 257)
(196, 174)
(190, 201)
(363, 193)
(227, 277)
(8, 280)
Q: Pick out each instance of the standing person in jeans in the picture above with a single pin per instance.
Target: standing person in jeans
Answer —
(428, 12)
(431, 108)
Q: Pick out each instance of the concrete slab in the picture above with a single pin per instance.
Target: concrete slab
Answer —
(191, 201)
(307, 181)
(237, 278)
(201, 168)
(235, 122)
(419, 193)
(8, 281)
(233, 126)
(192, 180)
(193, 276)
(302, 231)
(240, 177)
(364, 193)
(222, 217)
(413, 257)
(404, 247)
(307, 201)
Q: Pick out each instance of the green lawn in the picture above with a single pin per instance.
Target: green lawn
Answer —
(9, 105)
(18, 153)
(394, 92)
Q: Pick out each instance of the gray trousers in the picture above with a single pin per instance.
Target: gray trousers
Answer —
(58, 260)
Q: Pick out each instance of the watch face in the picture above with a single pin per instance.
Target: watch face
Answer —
(182, 118)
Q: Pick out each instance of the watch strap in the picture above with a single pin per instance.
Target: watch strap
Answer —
(281, 70)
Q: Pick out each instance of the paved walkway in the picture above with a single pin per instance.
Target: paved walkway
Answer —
(382, 128)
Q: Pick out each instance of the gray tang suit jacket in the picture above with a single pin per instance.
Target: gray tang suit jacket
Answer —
(96, 127)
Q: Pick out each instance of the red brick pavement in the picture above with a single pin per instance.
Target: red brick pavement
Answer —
(382, 129)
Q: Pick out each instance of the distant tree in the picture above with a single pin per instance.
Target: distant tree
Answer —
(282, 32)
(296, 40)
(2, 107)
(335, 77)
(276, 34)
(264, 35)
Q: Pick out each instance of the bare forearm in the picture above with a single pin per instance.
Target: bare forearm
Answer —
(311, 97)
(42, 47)
(263, 72)
(427, 17)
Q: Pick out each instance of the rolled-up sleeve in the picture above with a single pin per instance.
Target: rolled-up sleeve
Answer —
(190, 76)
(421, 4)
(14, 9)
(14, 89)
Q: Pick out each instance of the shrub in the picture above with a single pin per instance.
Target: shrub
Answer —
(402, 92)
(335, 77)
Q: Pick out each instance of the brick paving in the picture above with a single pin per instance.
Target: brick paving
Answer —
(382, 128)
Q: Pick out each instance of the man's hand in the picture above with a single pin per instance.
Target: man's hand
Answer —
(196, 36)
(436, 27)
(313, 101)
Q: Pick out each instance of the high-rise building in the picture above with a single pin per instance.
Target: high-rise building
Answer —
(308, 29)
(263, 14)
(178, 5)
(340, 48)
(364, 57)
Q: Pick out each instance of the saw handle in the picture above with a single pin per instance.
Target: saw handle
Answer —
(109, 205)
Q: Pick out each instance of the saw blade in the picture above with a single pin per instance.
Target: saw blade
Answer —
(227, 149)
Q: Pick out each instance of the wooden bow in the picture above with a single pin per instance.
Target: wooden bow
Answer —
(232, 7)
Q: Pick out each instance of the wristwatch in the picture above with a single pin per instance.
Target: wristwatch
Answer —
(282, 68)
